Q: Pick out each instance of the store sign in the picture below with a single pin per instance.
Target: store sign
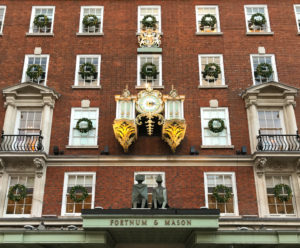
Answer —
(144, 222)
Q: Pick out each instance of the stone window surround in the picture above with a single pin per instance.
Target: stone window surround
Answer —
(234, 191)
(297, 18)
(266, 166)
(38, 168)
(65, 187)
(44, 100)
(255, 99)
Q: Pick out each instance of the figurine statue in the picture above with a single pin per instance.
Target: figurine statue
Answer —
(159, 195)
(139, 193)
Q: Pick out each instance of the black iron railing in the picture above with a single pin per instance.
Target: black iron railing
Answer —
(278, 142)
(21, 142)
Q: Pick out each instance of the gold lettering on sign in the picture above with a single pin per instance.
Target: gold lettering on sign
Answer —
(155, 222)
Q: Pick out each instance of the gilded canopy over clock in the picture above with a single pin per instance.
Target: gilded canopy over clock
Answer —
(150, 101)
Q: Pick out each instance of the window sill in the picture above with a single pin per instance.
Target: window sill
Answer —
(1, 34)
(259, 33)
(217, 147)
(39, 34)
(82, 147)
(138, 33)
(209, 33)
(153, 87)
(89, 34)
(297, 33)
(213, 87)
(76, 87)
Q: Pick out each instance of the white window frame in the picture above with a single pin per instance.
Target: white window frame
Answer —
(65, 188)
(33, 16)
(4, 12)
(139, 19)
(18, 117)
(139, 70)
(281, 117)
(6, 198)
(72, 124)
(98, 56)
(297, 20)
(198, 19)
(82, 16)
(221, 66)
(266, 14)
(234, 191)
(275, 75)
(293, 195)
(227, 125)
(132, 109)
(25, 67)
(167, 110)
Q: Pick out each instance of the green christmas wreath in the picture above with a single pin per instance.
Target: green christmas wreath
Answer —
(17, 192)
(221, 189)
(149, 73)
(258, 19)
(149, 21)
(216, 125)
(34, 71)
(90, 21)
(264, 70)
(211, 70)
(41, 21)
(87, 70)
(208, 20)
(78, 189)
(86, 128)
(278, 190)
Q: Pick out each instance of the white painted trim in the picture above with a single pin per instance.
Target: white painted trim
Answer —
(221, 65)
(33, 16)
(139, 19)
(98, 56)
(295, 6)
(81, 18)
(198, 32)
(4, 12)
(64, 200)
(227, 125)
(234, 191)
(273, 66)
(266, 13)
(6, 198)
(72, 124)
(26, 66)
(139, 66)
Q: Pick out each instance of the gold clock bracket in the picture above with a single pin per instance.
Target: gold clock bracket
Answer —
(125, 132)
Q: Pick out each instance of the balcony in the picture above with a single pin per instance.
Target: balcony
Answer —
(21, 143)
(278, 142)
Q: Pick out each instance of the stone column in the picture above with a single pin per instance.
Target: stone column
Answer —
(47, 122)
(10, 116)
(253, 125)
(290, 119)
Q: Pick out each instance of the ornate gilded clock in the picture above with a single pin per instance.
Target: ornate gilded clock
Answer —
(149, 105)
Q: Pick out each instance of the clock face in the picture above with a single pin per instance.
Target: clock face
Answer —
(149, 103)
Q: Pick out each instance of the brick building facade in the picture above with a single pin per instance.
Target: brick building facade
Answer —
(227, 65)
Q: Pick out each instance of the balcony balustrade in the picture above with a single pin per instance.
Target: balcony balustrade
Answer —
(278, 142)
(21, 142)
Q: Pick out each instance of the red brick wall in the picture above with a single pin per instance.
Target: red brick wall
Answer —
(118, 48)
(185, 186)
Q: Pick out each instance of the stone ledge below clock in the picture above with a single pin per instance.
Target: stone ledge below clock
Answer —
(217, 147)
(153, 87)
(82, 147)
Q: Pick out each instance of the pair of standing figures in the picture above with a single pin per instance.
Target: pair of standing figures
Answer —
(140, 194)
